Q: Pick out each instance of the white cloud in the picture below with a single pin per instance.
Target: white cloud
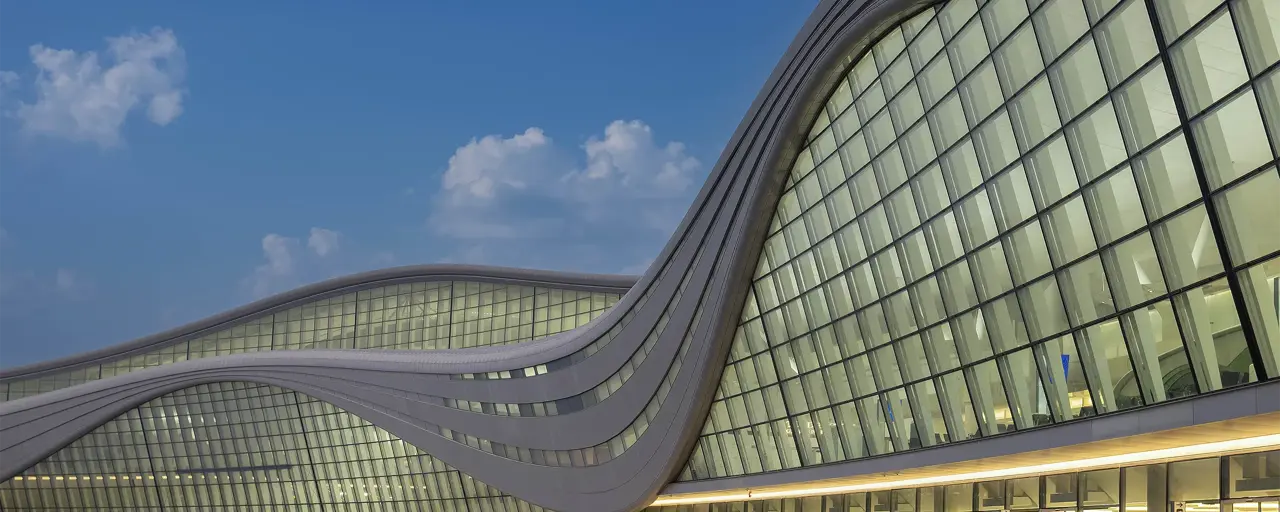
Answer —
(615, 193)
(323, 241)
(287, 264)
(484, 175)
(629, 179)
(628, 154)
(278, 269)
(477, 169)
(85, 98)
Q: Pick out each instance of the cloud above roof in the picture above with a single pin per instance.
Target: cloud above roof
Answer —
(87, 97)
(565, 206)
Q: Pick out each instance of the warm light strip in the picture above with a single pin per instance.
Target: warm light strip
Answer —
(1192, 451)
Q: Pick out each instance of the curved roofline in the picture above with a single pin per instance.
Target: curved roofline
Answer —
(338, 285)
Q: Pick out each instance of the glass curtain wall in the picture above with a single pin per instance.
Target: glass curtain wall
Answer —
(410, 316)
(1245, 483)
(1010, 214)
(239, 446)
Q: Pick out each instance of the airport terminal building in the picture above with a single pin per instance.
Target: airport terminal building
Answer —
(968, 255)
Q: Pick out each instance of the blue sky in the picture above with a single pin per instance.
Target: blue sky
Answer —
(164, 161)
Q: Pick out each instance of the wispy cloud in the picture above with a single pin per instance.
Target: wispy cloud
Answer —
(323, 241)
(85, 97)
(286, 263)
(277, 270)
(614, 198)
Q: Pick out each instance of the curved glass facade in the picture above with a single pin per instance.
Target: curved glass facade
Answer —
(409, 316)
(1008, 215)
(238, 446)
(1011, 214)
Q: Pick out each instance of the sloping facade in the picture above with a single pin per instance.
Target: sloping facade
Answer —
(964, 255)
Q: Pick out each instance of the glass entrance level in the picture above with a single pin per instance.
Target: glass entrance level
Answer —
(1245, 505)
(1234, 483)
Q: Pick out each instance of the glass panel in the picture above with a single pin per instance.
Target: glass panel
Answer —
(1114, 207)
(914, 364)
(1029, 401)
(1053, 176)
(1022, 493)
(1068, 232)
(1187, 480)
(1187, 248)
(1077, 80)
(1041, 305)
(1177, 17)
(1027, 253)
(991, 404)
(1260, 285)
(1096, 141)
(1159, 356)
(940, 348)
(1145, 488)
(1258, 20)
(1088, 297)
(1219, 353)
(980, 93)
(1232, 140)
(1060, 23)
(959, 498)
(991, 495)
(1063, 374)
(875, 425)
(1146, 110)
(1001, 17)
(1254, 475)
(901, 423)
(1248, 210)
(1019, 60)
(1061, 491)
(1034, 114)
(1126, 41)
(1134, 271)
(1106, 359)
(1100, 488)
(930, 423)
(1166, 177)
(958, 409)
(1210, 64)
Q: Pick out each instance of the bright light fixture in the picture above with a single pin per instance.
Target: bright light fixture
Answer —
(1135, 458)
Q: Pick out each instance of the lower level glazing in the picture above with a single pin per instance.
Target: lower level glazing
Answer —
(1237, 483)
